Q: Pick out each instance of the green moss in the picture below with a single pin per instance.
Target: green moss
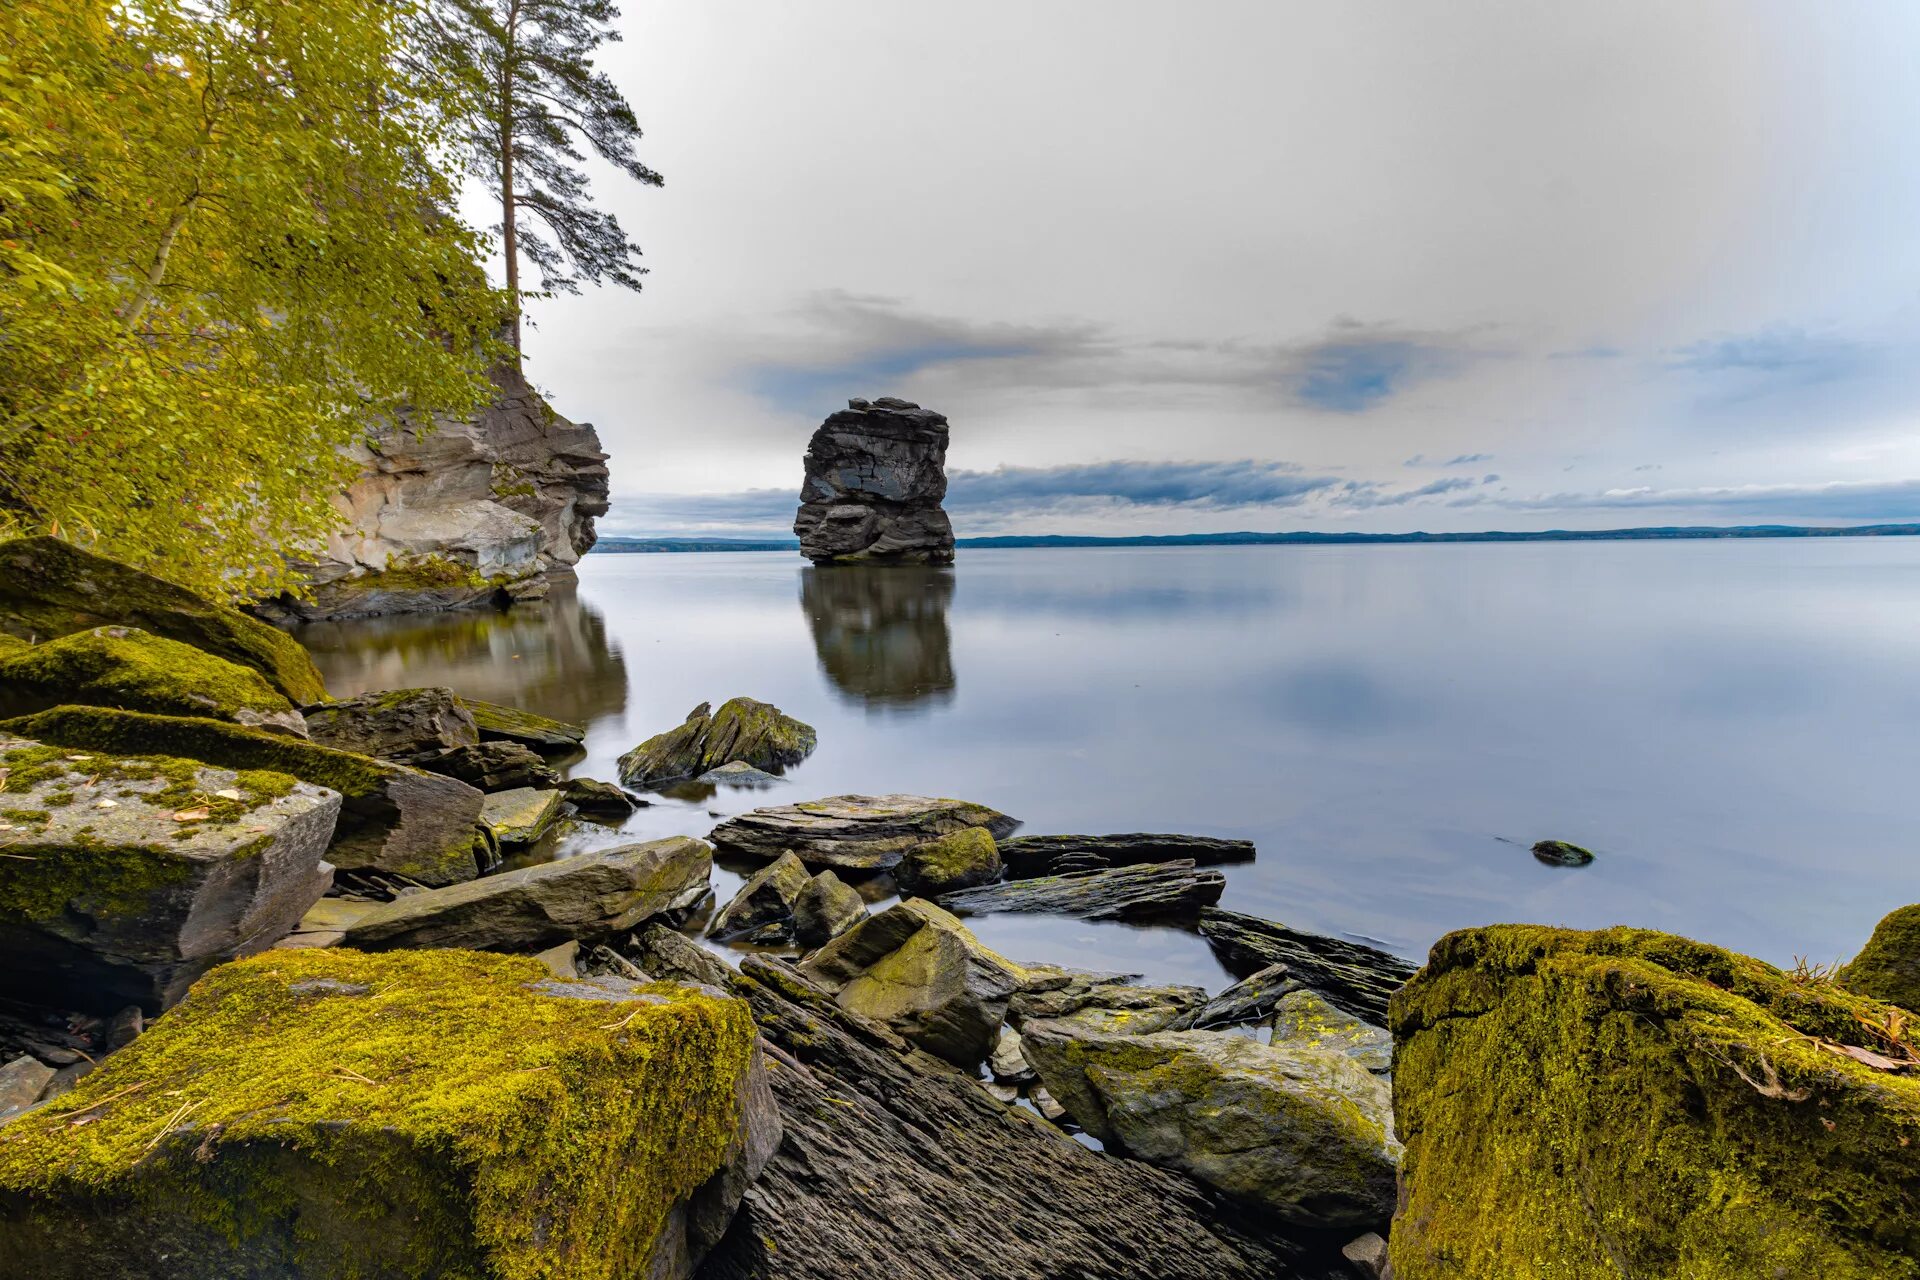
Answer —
(334, 1114)
(25, 815)
(956, 860)
(129, 668)
(507, 482)
(1888, 967)
(419, 572)
(1592, 1105)
(10, 645)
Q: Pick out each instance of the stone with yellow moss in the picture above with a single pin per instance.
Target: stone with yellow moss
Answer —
(957, 860)
(742, 731)
(331, 1115)
(132, 669)
(1629, 1103)
(124, 878)
(854, 832)
(1888, 967)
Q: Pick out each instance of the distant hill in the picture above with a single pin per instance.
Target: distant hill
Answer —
(629, 545)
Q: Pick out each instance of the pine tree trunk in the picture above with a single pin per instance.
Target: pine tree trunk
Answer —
(509, 234)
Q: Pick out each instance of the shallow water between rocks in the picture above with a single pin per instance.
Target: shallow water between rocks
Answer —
(1729, 725)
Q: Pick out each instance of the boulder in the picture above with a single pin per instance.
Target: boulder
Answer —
(408, 726)
(51, 588)
(1558, 853)
(392, 818)
(1105, 1003)
(1357, 978)
(825, 909)
(875, 475)
(126, 877)
(520, 816)
(331, 1114)
(1303, 1133)
(590, 895)
(548, 736)
(495, 766)
(1888, 967)
(1305, 1017)
(600, 801)
(853, 833)
(919, 971)
(22, 1081)
(765, 903)
(1251, 999)
(742, 731)
(957, 860)
(130, 668)
(1630, 1103)
(1156, 891)
(1057, 855)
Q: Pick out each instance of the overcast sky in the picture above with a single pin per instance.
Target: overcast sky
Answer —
(1179, 267)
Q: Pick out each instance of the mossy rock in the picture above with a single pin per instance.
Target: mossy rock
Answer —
(1592, 1105)
(50, 588)
(510, 724)
(134, 670)
(958, 860)
(395, 819)
(333, 1115)
(742, 731)
(1888, 967)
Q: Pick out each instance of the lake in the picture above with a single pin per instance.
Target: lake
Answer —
(1729, 725)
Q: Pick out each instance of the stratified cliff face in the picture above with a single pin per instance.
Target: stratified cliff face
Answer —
(876, 473)
(470, 511)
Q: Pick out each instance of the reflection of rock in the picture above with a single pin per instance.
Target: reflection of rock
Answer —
(882, 634)
(875, 478)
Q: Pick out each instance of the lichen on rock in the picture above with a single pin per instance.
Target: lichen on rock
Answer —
(134, 670)
(1888, 967)
(742, 731)
(957, 860)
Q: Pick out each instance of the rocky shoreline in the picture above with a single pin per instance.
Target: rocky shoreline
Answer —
(276, 1008)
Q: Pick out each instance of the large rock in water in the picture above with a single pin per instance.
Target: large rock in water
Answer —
(1629, 1103)
(876, 473)
(459, 512)
(1153, 891)
(1888, 967)
(742, 731)
(325, 1114)
(127, 877)
(51, 588)
(1059, 855)
(853, 833)
(132, 669)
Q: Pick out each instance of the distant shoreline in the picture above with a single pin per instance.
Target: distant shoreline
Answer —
(619, 546)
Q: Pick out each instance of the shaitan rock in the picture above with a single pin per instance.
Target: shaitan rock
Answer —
(959, 860)
(127, 877)
(1888, 967)
(742, 731)
(130, 668)
(1303, 1133)
(590, 895)
(766, 899)
(1155, 891)
(408, 726)
(1251, 999)
(1305, 1017)
(510, 724)
(497, 766)
(1056, 855)
(825, 909)
(875, 476)
(1358, 978)
(857, 833)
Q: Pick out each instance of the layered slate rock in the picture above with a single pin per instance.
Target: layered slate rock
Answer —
(497, 766)
(326, 1114)
(1632, 1103)
(51, 588)
(520, 816)
(742, 731)
(764, 907)
(958, 861)
(1888, 967)
(858, 1185)
(1304, 1133)
(590, 895)
(1305, 1017)
(1058, 855)
(539, 733)
(1356, 977)
(825, 909)
(600, 801)
(853, 832)
(1106, 1003)
(1157, 891)
(875, 476)
(921, 972)
(1251, 999)
(408, 726)
(126, 877)
(130, 668)
(392, 818)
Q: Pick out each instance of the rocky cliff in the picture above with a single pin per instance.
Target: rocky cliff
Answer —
(875, 477)
(468, 511)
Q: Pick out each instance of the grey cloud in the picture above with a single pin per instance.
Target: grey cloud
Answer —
(1866, 500)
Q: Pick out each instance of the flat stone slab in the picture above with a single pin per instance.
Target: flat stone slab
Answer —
(520, 816)
(1155, 891)
(853, 832)
(1356, 977)
(1056, 855)
(510, 724)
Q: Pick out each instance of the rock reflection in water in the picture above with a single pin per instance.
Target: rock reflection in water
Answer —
(552, 657)
(881, 632)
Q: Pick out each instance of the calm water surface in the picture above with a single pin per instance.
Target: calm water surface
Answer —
(1729, 725)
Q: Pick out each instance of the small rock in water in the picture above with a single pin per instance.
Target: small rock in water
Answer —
(1558, 853)
(1044, 1102)
(1006, 1061)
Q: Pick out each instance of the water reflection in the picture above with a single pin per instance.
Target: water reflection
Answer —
(881, 633)
(553, 657)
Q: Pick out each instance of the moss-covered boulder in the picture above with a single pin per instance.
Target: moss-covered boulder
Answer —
(51, 588)
(392, 818)
(1630, 1103)
(134, 670)
(763, 909)
(408, 726)
(742, 731)
(959, 860)
(544, 734)
(1888, 967)
(854, 832)
(123, 878)
(330, 1115)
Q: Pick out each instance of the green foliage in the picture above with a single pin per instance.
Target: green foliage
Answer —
(223, 252)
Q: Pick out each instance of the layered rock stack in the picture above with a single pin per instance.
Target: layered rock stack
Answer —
(876, 472)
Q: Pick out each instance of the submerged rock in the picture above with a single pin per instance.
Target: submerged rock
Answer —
(408, 726)
(510, 724)
(127, 877)
(875, 475)
(766, 899)
(330, 1114)
(1155, 891)
(51, 588)
(955, 861)
(1027, 856)
(857, 833)
(1888, 967)
(1558, 853)
(1358, 978)
(1298, 1131)
(1305, 1017)
(742, 731)
(825, 909)
(590, 895)
(127, 667)
(1627, 1102)
(738, 774)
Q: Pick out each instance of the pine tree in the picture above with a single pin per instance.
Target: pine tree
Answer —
(537, 102)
